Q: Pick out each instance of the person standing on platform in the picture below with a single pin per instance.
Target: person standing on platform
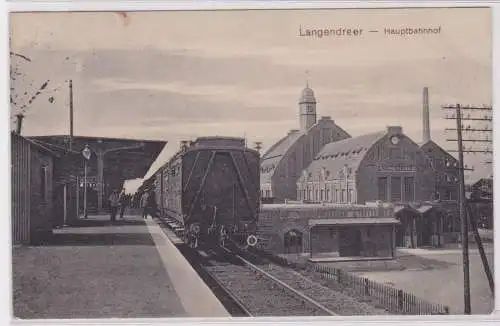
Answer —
(152, 205)
(114, 203)
(144, 204)
(122, 200)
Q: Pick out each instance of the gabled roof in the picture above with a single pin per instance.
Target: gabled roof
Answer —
(435, 145)
(348, 152)
(280, 147)
(272, 157)
(487, 182)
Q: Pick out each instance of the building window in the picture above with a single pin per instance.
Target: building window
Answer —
(349, 198)
(343, 196)
(336, 199)
(406, 155)
(409, 189)
(449, 195)
(395, 189)
(395, 153)
(382, 189)
(43, 182)
(327, 194)
(321, 194)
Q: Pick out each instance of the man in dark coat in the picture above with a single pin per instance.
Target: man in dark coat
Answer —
(152, 205)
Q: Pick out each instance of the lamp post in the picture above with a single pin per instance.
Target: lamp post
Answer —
(86, 154)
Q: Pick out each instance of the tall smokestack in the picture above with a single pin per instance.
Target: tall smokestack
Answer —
(426, 132)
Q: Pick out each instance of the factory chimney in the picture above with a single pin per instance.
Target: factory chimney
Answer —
(426, 135)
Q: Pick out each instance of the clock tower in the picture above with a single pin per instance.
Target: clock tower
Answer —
(307, 109)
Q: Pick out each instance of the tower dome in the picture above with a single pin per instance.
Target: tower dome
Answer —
(307, 96)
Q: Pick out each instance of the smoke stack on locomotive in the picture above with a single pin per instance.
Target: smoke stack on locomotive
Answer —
(212, 187)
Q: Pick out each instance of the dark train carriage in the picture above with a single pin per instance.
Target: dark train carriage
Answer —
(212, 185)
(221, 184)
(172, 188)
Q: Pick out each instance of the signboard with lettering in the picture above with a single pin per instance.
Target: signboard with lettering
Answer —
(396, 167)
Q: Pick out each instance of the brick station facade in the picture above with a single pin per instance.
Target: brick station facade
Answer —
(328, 230)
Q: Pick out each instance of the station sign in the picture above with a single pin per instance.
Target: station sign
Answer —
(396, 167)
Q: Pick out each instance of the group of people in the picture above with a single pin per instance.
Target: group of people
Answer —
(119, 201)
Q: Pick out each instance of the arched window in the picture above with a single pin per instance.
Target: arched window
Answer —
(293, 241)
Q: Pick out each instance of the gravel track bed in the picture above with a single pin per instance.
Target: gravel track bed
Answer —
(337, 302)
(260, 295)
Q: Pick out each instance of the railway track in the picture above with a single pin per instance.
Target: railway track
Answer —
(250, 285)
(259, 292)
(337, 302)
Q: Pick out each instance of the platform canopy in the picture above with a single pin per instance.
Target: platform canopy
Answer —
(353, 221)
(133, 156)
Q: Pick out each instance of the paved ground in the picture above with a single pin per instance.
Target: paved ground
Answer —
(94, 271)
(438, 277)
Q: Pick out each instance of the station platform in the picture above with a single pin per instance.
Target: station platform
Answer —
(102, 269)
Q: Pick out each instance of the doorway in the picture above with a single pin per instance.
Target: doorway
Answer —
(424, 229)
(293, 242)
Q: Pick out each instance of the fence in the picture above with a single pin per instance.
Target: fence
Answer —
(393, 300)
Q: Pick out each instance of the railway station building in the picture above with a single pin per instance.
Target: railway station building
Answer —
(32, 168)
(419, 180)
(283, 163)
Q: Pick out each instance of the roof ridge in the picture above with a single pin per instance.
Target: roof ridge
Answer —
(348, 140)
(280, 141)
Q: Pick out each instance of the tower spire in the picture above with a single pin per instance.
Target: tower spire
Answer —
(307, 108)
(307, 78)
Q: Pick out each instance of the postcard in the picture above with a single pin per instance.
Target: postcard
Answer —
(250, 163)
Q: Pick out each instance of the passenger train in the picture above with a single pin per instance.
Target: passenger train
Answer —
(211, 186)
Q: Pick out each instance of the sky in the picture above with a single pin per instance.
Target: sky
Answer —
(178, 75)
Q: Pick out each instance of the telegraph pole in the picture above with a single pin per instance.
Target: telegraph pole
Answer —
(70, 114)
(466, 216)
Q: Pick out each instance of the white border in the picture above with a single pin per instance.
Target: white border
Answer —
(5, 277)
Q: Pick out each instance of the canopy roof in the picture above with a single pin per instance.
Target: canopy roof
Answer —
(353, 221)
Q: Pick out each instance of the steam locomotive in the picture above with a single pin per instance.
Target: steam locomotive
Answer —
(211, 186)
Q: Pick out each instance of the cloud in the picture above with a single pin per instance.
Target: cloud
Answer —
(177, 75)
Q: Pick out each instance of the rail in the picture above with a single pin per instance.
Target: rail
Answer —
(283, 284)
(232, 304)
(392, 299)
(230, 294)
